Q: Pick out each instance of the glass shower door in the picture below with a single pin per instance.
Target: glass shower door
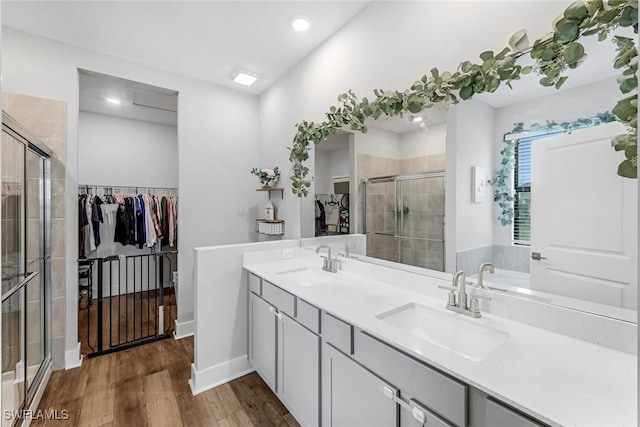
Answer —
(380, 220)
(420, 221)
(25, 196)
(13, 274)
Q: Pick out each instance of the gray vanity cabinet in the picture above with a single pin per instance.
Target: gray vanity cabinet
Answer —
(352, 395)
(285, 353)
(298, 370)
(262, 339)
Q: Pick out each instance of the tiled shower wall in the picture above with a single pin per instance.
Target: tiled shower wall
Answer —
(425, 200)
(512, 257)
(46, 119)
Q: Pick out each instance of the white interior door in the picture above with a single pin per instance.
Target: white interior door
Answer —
(584, 218)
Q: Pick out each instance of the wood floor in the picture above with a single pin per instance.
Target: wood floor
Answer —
(147, 386)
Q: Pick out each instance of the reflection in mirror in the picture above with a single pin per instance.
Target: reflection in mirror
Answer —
(573, 241)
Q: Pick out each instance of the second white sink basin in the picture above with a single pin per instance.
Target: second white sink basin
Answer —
(460, 335)
(307, 277)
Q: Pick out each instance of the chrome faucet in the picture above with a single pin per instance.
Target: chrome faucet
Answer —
(347, 245)
(459, 303)
(329, 263)
(484, 266)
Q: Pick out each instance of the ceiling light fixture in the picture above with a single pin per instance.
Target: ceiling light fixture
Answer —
(243, 77)
(113, 101)
(415, 119)
(300, 24)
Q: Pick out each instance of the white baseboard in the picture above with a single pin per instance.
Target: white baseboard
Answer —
(73, 358)
(216, 375)
(184, 329)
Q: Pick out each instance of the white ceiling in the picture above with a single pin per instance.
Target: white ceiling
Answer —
(205, 40)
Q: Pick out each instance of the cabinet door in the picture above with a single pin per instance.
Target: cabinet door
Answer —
(299, 371)
(353, 396)
(262, 337)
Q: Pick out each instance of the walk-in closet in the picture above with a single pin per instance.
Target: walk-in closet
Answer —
(128, 213)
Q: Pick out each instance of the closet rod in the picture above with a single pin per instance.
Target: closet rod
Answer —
(127, 187)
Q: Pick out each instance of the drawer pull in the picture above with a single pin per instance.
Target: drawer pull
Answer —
(388, 392)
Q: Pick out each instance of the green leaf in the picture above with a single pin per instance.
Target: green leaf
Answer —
(561, 81)
(576, 10)
(621, 142)
(519, 41)
(628, 17)
(627, 170)
(566, 32)
(602, 36)
(629, 84)
(608, 16)
(624, 109)
(546, 81)
(631, 151)
(593, 6)
(466, 92)
(548, 55)
(573, 52)
(486, 55)
(527, 69)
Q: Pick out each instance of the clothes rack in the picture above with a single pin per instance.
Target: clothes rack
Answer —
(101, 190)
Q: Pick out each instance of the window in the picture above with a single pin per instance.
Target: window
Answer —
(522, 192)
(522, 189)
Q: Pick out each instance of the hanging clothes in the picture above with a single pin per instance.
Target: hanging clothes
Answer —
(96, 218)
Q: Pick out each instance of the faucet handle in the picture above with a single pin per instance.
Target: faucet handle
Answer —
(451, 302)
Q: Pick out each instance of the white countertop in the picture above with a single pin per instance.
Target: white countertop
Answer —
(557, 379)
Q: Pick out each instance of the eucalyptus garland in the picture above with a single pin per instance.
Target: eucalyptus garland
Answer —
(552, 54)
(502, 190)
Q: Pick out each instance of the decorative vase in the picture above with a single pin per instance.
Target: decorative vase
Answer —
(268, 183)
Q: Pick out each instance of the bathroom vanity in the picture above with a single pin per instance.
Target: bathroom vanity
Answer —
(355, 348)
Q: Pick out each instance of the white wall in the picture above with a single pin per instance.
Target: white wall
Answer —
(379, 143)
(370, 53)
(220, 352)
(581, 102)
(424, 142)
(210, 120)
(330, 164)
(470, 140)
(116, 151)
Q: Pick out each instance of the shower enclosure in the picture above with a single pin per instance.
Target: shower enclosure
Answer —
(26, 269)
(403, 217)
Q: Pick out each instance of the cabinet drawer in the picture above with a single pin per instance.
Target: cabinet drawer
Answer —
(282, 300)
(498, 415)
(439, 393)
(255, 284)
(338, 333)
(308, 315)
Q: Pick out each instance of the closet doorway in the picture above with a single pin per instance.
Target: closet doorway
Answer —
(26, 268)
(128, 213)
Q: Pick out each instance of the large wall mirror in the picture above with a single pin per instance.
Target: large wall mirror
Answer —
(417, 187)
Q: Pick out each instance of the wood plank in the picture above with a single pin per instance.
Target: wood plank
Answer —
(130, 404)
(223, 401)
(162, 407)
(103, 374)
(98, 408)
(236, 419)
(195, 411)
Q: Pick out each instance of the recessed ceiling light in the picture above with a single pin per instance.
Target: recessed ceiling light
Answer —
(113, 101)
(300, 24)
(415, 119)
(244, 77)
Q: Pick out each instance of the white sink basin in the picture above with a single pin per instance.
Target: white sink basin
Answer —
(465, 337)
(307, 277)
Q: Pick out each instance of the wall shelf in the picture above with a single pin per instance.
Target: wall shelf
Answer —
(272, 227)
(272, 189)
